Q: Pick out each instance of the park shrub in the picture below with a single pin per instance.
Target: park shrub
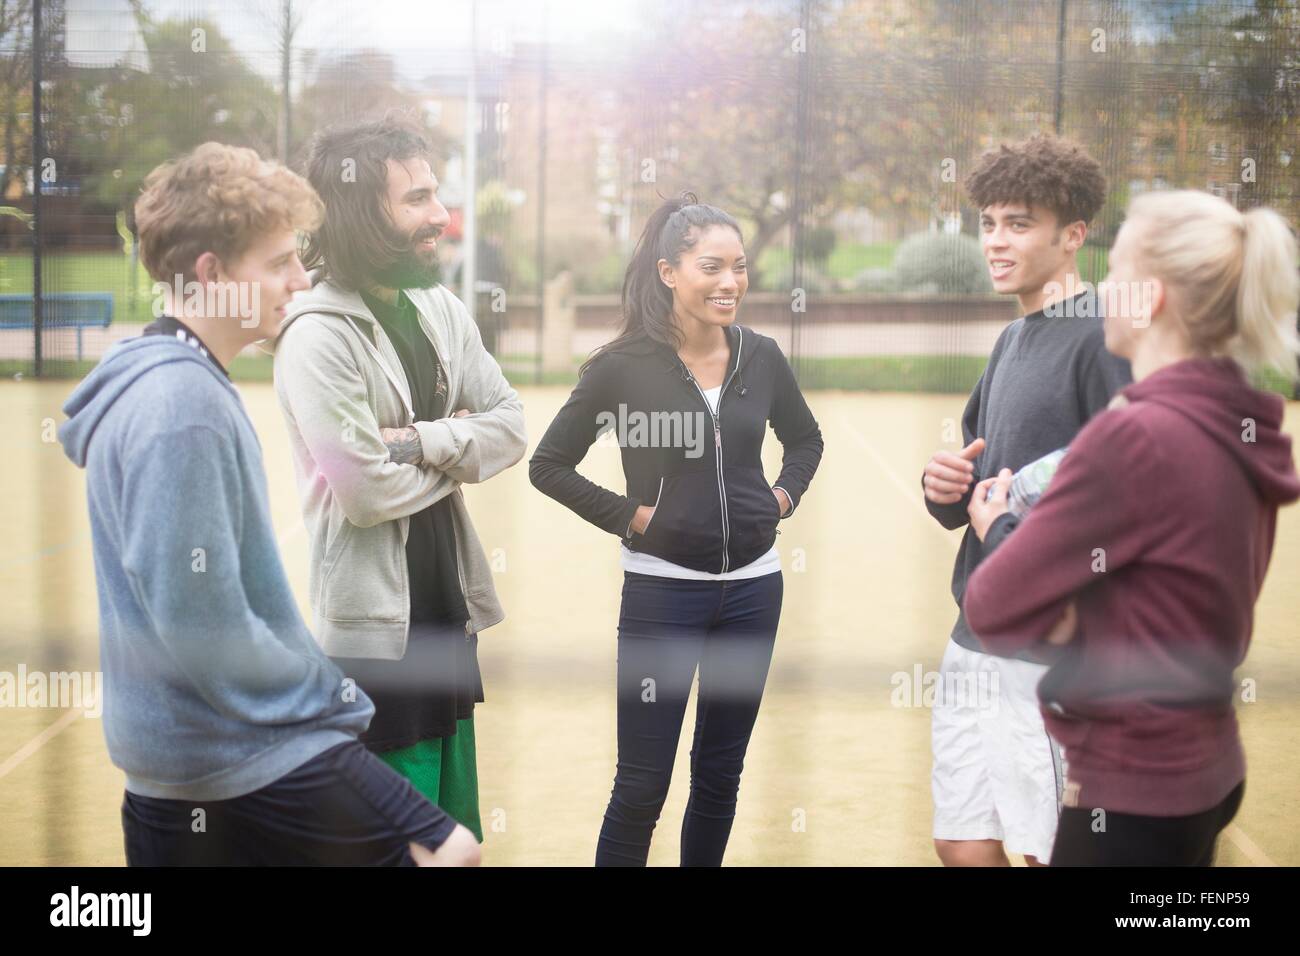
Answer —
(941, 263)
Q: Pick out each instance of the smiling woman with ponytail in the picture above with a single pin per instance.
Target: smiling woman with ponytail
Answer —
(702, 577)
(647, 302)
(1155, 536)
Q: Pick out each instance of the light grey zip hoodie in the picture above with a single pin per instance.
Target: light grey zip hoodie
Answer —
(337, 387)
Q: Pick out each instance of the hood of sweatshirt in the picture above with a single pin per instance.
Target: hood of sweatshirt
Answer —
(325, 296)
(121, 366)
(1215, 395)
(743, 341)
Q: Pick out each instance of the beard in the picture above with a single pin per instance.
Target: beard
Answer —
(412, 269)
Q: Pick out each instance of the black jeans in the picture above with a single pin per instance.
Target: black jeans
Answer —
(1133, 840)
(343, 807)
(667, 627)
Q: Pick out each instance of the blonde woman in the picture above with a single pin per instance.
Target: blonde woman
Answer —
(1136, 574)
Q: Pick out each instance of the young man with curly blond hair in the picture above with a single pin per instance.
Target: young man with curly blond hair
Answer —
(238, 736)
(997, 775)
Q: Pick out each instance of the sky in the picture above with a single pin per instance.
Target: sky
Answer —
(416, 33)
(410, 30)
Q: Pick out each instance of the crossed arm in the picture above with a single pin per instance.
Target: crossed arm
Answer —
(324, 398)
(403, 443)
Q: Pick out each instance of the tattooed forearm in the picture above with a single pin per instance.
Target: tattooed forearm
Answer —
(403, 445)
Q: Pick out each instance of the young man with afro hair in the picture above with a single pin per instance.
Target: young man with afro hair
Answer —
(997, 776)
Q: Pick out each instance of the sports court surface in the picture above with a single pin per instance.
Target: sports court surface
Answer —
(835, 774)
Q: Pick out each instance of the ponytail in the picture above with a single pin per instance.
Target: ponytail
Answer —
(1268, 296)
(1232, 275)
(647, 303)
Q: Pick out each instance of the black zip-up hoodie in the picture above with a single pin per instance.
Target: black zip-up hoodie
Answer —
(714, 510)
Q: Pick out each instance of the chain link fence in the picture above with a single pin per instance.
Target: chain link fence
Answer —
(838, 133)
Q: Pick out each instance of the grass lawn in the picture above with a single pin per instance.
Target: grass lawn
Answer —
(1093, 262)
(846, 260)
(83, 272)
(849, 259)
(242, 369)
(869, 373)
(894, 373)
(110, 272)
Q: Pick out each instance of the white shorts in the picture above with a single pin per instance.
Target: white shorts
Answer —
(997, 774)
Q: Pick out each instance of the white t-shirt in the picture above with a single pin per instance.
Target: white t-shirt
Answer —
(641, 563)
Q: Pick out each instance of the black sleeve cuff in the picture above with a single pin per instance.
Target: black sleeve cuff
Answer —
(794, 500)
(999, 531)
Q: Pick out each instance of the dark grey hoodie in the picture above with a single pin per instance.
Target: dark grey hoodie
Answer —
(1048, 375)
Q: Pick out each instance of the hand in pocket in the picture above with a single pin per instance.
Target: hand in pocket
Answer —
(782, 501)
(641, 519)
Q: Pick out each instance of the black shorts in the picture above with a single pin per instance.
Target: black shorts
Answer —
(1129, 839)
(344, 807)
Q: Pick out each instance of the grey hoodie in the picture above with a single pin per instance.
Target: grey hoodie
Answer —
(214, 686)
(339, 380)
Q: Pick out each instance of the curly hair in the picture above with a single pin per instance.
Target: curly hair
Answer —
(218, 199)
(1041, 171)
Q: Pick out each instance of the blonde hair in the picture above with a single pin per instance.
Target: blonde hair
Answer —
(1232, 275)
(218, 199)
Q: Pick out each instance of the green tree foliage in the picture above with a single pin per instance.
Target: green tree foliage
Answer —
(114, 126)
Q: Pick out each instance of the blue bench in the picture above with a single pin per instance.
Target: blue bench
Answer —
(62, 310)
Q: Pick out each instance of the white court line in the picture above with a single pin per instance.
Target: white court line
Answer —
(44, 552)
(66, 721)
(1248, 847)
(1244, 843)
(40, 740)
(913, 492)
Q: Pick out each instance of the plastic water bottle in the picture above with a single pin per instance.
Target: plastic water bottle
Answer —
(1029, 483)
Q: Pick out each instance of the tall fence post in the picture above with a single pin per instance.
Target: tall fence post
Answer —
(38, 148)
(469, 218)
(1060, 67)
(799, 199)
(543, 68)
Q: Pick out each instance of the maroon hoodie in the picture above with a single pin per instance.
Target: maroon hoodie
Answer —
(1158, 525)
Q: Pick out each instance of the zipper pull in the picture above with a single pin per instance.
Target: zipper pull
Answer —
(717, 434)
